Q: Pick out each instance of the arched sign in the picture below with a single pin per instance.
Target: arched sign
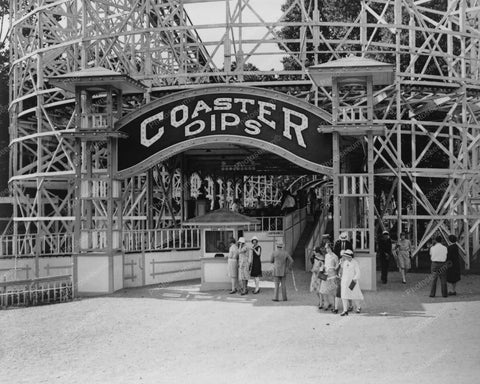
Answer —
(260, 118)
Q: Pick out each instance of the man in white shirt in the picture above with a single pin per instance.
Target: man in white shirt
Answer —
(438, 256)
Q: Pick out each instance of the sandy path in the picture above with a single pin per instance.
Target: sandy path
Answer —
(177, 334)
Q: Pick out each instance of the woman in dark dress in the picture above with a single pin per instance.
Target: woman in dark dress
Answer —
(256, 266)
(453, 262)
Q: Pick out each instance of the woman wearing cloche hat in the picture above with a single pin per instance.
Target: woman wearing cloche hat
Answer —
(350, 282)
(256, 264)
(243, 265)
(233, 264)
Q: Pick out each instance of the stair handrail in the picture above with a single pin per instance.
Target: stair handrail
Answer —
(316, 236)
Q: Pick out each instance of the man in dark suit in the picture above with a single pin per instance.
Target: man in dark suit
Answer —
(384, 251)
(282, 262)
(342, 244)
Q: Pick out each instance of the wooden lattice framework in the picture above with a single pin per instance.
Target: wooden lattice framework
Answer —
(431, 109)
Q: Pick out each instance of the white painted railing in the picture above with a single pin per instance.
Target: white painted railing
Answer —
(352, 114)
(316, 237)
(41, 290)
(359, 238)
(294, 224)
(161, 239)
(267, 224)
(94, 120)
(26, 245)
(133, 241)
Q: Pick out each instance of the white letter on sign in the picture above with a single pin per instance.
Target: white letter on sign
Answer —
(188, 128)
(173, 115)
(222, 104)
(298, 128)
(252, 127)
(201, 106)
(262, 112)
(232, 123)
(143, 130)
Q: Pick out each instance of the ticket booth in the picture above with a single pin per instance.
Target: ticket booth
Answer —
(217, 228)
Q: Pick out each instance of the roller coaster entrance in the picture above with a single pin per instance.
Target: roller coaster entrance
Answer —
(218, 130)
(428, 112)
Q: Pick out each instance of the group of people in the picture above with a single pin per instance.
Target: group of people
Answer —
(445, 265)
(336, 276)
(244, 262)
(335, 271)
(445, 261)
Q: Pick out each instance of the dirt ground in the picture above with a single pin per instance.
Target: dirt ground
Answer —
(177, 334)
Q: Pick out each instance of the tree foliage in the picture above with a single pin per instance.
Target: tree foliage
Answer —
(348, 11)
(330, 11)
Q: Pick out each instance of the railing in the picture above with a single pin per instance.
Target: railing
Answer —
(161, 239)
(267, 224)
(316, 237)
(26, 245)
(352, 114)
(133, 241)
(294, 225)
(359, 238)
(94, 120)
(42, 290)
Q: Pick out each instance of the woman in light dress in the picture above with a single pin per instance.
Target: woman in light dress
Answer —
(233, 264)
(317, 267)
(350, 282)
(329, 286)
(404, 252)
(243, 265)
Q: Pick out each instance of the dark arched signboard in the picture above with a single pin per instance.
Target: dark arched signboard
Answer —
(260, 118)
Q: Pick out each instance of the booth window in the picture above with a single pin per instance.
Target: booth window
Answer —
(217, 241)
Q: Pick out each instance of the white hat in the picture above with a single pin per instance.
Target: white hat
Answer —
(254, 238)
(241, 240)
(280, 244)
(343, 236)
(348, 252)
(385, 233)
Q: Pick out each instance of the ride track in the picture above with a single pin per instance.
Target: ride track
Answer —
(431, 110)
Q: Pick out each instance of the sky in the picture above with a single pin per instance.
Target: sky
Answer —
(214, 12)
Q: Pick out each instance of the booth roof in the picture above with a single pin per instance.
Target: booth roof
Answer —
(221, 217)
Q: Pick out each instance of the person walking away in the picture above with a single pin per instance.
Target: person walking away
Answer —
(438, 256)
(342, 244)
(385, 254)
(288, 204)
(328, 287)
(282, 263)
(256, 264)
(233, 264)
(243, 265)
(404, 253)
(350, 282)
(453, 264)
(317, 268)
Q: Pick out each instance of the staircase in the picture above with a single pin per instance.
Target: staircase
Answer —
(299, 252)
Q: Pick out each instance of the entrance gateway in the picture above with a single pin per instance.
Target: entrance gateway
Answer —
(248, 116)
(289, 128)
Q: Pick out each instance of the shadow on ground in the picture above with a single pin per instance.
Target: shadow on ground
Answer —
(392, 300)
